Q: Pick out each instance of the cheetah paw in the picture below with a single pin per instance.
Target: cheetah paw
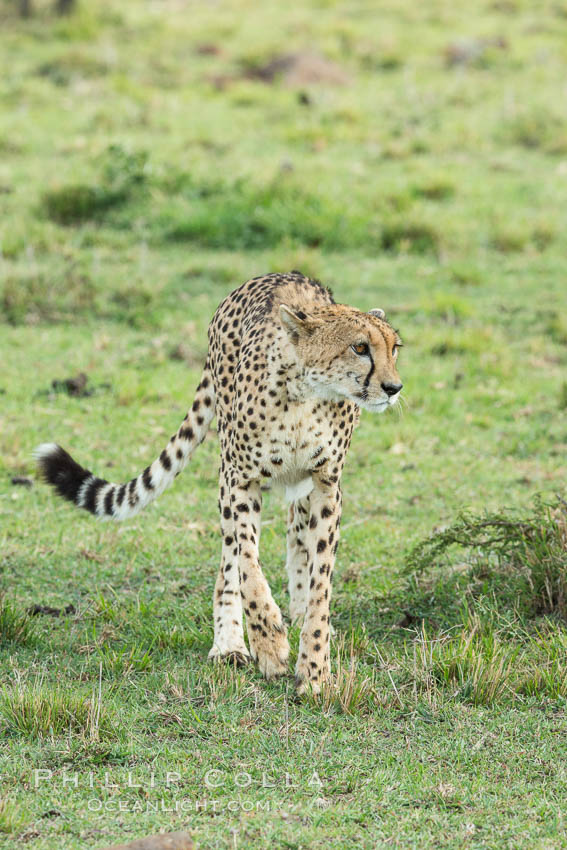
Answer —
(270, 652)
(307, 683)
(238, 656)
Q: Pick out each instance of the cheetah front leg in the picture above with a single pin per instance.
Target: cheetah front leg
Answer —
(296, 561)
(267, 634)
(313, 664)
(227, 604)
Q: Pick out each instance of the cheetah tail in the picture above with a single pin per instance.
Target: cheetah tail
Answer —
(121, 501)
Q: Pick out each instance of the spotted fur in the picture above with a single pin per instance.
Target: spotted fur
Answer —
(286, 374)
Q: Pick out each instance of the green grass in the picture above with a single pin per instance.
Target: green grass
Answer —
(518, 564)
(144, 173)
(40, 711)
(11, 818)
(15, 626)
(120, 174)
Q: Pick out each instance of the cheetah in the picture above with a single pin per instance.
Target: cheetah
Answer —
(286, 374)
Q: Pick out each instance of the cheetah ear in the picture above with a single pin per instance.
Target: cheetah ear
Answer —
(297, 323)
(380, 314)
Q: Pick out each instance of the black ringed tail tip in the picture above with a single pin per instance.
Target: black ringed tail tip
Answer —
(57, 467)
(72, 481)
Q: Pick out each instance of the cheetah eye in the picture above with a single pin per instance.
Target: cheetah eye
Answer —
(360, 348)
(396, 349)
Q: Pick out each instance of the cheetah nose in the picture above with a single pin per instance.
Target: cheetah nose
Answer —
(391, 389)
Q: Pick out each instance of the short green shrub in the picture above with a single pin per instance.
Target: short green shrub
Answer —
(513, 563)
(410, 237)
(548, 676)
(535, 127)
(513, 237)
(243, 216)
(74, 64)
(39, 710)
(78, 202)
(434, 189)
(557, 328)
(15, 626)
(30, 297)
(121, 172)
(476, 666)
(125, 660)
(510, 238)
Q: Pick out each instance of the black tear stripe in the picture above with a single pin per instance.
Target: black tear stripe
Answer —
(89, 502)
(370, 373)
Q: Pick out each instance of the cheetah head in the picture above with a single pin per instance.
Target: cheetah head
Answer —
(346, 354)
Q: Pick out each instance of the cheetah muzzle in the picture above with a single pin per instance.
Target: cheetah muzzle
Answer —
(286, 374)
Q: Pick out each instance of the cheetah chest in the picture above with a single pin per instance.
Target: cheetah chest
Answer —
(296, 443)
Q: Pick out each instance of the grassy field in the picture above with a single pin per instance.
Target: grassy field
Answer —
(413, 156)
